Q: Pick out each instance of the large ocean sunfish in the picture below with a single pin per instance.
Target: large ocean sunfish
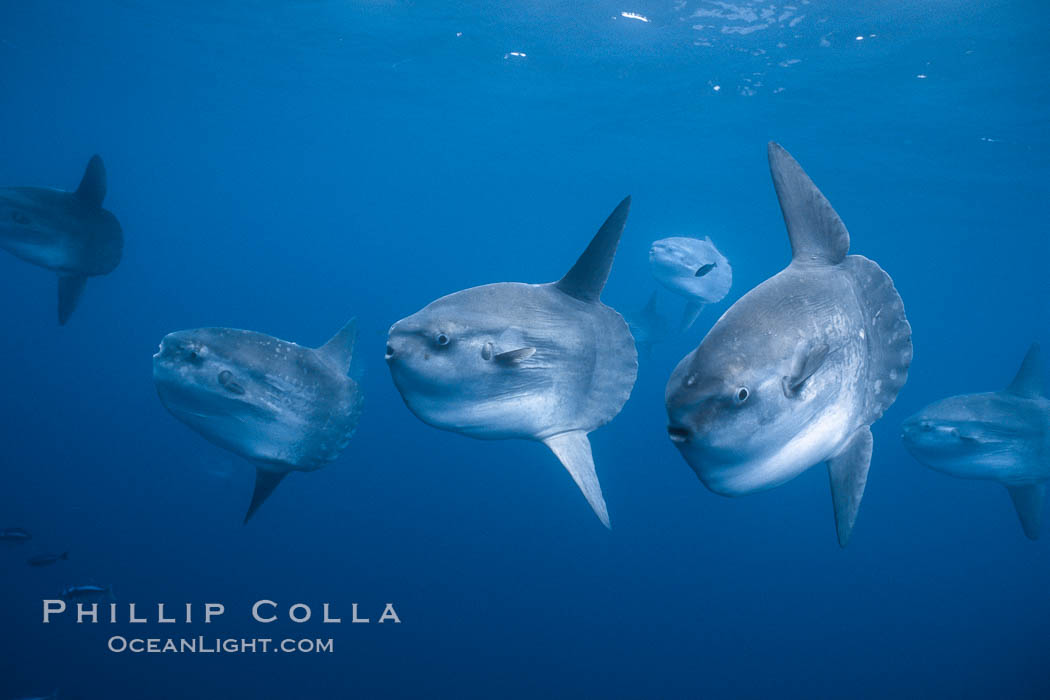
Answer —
(282, 406)
(796, 371)
(1000, 436)
(546, 362)
(66, 232)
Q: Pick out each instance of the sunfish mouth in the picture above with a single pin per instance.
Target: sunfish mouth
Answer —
(678, 433)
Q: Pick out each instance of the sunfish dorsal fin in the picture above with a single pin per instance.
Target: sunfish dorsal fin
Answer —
(587, 277)
(573, 449)
(265, 483)
(92, 188)
(848, 473)
(69, 290)
(1028, 500)
(817, 233)
(1029, 379)
(650, 306)
(339, 350)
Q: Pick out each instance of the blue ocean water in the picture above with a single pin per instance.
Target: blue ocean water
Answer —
(283, 166)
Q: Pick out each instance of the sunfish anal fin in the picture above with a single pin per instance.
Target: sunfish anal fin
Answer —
(848, 473)
(69, 290)
(573, 449)
(339, 350)
(265, 483)
(587, 277)
(1028, 500)
(92, 189)
(1029, 381)
(691, 313)
(817, 233)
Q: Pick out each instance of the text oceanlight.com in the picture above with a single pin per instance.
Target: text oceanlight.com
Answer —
(203, 645)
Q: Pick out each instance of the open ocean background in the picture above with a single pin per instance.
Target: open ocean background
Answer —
(283, 166)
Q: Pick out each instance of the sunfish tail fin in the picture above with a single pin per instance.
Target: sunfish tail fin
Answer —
(691, 313)
(848, 473)
(817, 233)
(1029, 380)
(92, 189)
(69, 291)
(1028, 500)
(573, 450)
(265, 483)
(587, 277)
(339, 350)
(887, 333)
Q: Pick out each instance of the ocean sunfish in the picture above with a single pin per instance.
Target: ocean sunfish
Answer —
(691, 268)
(15, 535)
(66, 232)
(797, 370)
(282, 406)
(545, 362)
(1000, 436)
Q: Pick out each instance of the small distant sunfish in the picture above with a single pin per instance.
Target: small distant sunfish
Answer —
(89, 593)
(691, 268)
(15, 535)
(797, 370)
(66, 232)
(48, 559)
(999, 436)
(545, 362)
(283, 406)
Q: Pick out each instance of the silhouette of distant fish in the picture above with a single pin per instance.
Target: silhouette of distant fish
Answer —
(797, 370)
(88, 593)
(691, 268)
(648, 326)
(545, 362)
(999, 436)
(66, 232)
(15, 535)
(283, 406)
(52, 696)
(48, 559)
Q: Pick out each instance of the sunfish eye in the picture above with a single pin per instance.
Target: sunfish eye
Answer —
(741, 395)
(194, 357)
(442, 339)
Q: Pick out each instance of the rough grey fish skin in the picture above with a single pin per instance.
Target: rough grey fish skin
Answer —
(796, 371)
(66, 232)
(1001, 436)
(544, 362)
(283, 406)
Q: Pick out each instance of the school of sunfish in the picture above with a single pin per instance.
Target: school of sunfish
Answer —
(792, 375)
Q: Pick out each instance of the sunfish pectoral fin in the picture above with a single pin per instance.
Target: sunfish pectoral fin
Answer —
(704, 270)
(339, 350)
(587, 277)
(691, 313)
(573, 449)
(92, 188)
(1029, 381)
(1028, 500)
(265, 483)
(817, 233)
(848, 473)
(69, 290)
(808, 358)
(513, 357)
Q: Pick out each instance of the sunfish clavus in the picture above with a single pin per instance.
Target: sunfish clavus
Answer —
(797, 370)
(546, 362)
(1000, 436)
(66, 232)
(282, 406)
